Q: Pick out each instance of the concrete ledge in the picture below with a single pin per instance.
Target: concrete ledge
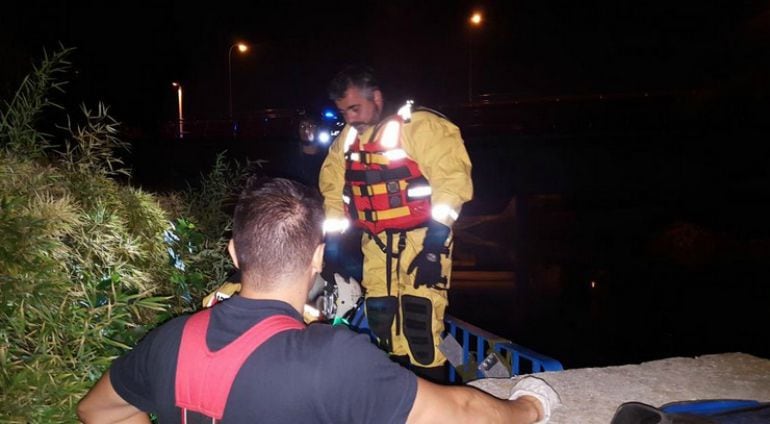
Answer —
(591, 395)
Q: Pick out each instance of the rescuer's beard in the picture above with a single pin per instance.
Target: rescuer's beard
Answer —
(363, 126)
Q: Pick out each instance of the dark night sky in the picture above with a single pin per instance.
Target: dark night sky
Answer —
(128, 53)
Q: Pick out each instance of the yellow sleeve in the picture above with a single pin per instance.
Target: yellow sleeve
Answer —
(438, 148)
(225, 291)
(331, 180)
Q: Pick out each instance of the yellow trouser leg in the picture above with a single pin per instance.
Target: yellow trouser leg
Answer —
(415, 316)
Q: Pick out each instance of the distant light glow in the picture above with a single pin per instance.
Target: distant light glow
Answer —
(329, 114)
(242, 47)
(476, 18)
(324, 137)
(593, 284)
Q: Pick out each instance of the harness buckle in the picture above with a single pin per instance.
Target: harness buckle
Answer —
(370, 215)
(394, 201)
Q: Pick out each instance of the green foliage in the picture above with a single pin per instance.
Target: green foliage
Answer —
(77, 286)
(18, 132)
(199, 264)
(197, 244)
(88, 265)
(216, 195)
(93, 146)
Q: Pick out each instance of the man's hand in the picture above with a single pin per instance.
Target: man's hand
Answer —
(428, 261)
(538, 389)
(428, 265)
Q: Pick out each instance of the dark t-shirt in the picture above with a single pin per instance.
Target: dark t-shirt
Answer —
(320, 374)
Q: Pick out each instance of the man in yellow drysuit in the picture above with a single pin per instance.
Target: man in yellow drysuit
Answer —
(402, 179)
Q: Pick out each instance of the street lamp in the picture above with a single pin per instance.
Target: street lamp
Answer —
(475, 22)
(179, 102)
(242, 48)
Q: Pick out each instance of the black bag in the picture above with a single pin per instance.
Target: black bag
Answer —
(713, 411)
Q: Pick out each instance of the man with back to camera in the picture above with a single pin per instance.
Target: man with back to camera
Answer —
(196, 368)
(403, 180)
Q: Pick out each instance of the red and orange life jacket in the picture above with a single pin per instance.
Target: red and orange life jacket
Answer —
(384, 188)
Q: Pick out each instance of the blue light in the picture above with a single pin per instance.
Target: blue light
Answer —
(324, 137)
(329, 115)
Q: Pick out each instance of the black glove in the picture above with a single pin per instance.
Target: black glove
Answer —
(333, 258)
(428, 261)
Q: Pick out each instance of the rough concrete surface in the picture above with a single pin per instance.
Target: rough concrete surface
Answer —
(591, 395)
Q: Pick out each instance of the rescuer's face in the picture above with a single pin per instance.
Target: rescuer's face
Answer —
(360, 107)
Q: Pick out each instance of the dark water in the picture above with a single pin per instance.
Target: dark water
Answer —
(628, 315)
(640, 241)
(607, 278)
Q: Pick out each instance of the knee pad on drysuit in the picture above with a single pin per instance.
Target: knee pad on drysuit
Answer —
(380, 312)
(418, 322)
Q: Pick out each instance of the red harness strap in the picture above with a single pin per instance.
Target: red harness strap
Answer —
(203, 377)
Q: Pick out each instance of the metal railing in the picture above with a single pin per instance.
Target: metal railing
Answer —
(477, 344)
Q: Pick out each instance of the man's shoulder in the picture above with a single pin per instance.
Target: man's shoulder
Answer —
(427, 113)
(319, 349)
(174, 326)
(423, 118)
(335, 335)
(165, 337)
(338, 341)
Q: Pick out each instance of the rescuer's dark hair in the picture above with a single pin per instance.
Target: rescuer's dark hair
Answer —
(277, 225)
(359, 76)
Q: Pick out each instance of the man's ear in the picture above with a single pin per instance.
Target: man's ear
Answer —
(231, 251)
(378, 98)
(318, 258)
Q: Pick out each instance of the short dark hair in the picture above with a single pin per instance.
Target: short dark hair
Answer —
(359, 76)
(277, 225)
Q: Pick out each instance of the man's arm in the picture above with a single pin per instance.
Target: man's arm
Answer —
(463, 404)
(437, 146)
(103, 404)
(331, 179)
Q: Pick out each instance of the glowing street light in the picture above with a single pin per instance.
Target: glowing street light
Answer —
(242, 48)
(475, 21)
(476, 18)
(179, 102)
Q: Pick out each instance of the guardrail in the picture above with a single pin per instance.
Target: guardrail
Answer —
(481, 344)
(476, 346)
